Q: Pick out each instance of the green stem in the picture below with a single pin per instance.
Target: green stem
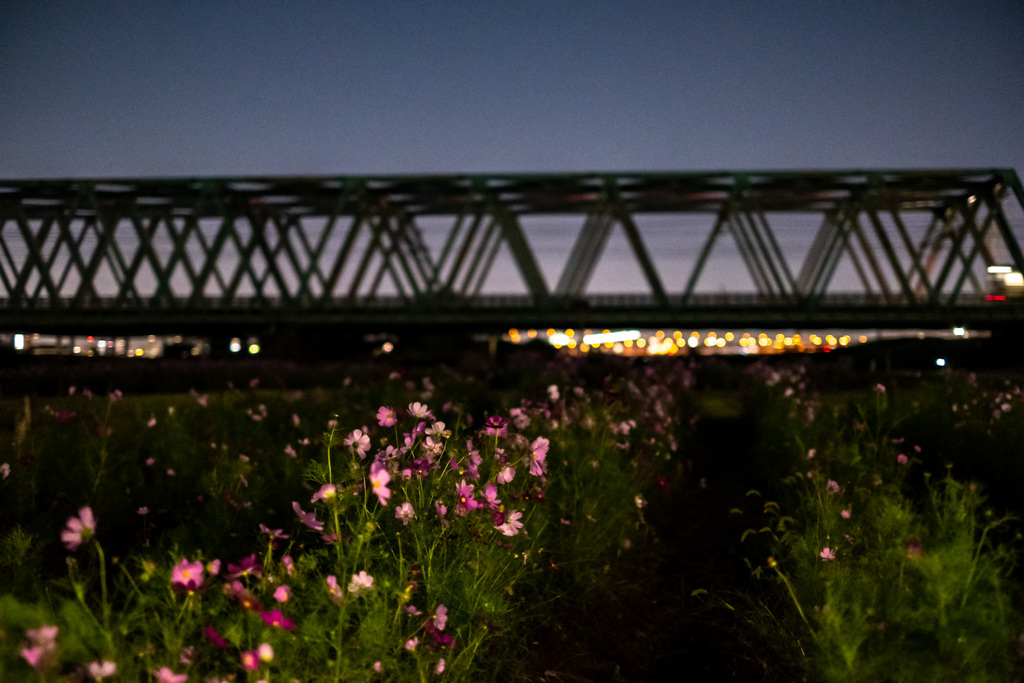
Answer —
(103, 593)
(792, 594)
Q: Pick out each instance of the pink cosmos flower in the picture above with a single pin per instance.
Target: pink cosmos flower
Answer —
(538, 456)
(379, 478)
(405, 513)
(42, 650)
(828, 554)
(333, 589)
(441, 510)
(246, 599)
(440, 617)
(505, 475)
(491, 495)
(283, 593)
(187, 576)
(358, 442)
(166, 675)
(101, 669)
(273, 533)
(386, 417)
(326, 493)
(276, 619)
(378, 667)
(265, 652)
(411, 644)
(79, 529)
(832, 486)
(901, 459)
(845, 514)
(439, 669)
(512, 524)
(419, 411)
(307, 518)
(289, 565)
(360, 583)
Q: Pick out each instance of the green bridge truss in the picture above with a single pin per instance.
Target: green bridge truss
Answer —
(878, 249)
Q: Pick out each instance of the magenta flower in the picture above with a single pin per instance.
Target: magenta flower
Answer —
(512, 525)
(283, 593)
(386, 417)
(496, 426)
(79, 529)
(828, 554)
(248, 566)
(379, 478)
(307, 518)
(405, 513)
(466, 502)
(276, 619)
(421, 467)
(901, 459)
(187, 576)
(358, 442)
(360, 583)
(251, 660)
(211, 633)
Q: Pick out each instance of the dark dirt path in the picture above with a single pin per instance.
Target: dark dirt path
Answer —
(649, 627)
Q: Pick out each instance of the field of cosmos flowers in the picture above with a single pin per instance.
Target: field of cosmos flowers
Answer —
(529, 518)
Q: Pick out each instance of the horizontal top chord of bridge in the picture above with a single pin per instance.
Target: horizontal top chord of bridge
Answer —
(106, 249)
(520, 193)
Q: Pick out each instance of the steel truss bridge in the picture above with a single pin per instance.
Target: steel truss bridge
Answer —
(856, 249)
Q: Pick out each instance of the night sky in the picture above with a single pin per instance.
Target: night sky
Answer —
(130, 89)
(149, 89)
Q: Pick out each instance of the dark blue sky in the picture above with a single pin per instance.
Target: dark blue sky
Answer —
(130, 89)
